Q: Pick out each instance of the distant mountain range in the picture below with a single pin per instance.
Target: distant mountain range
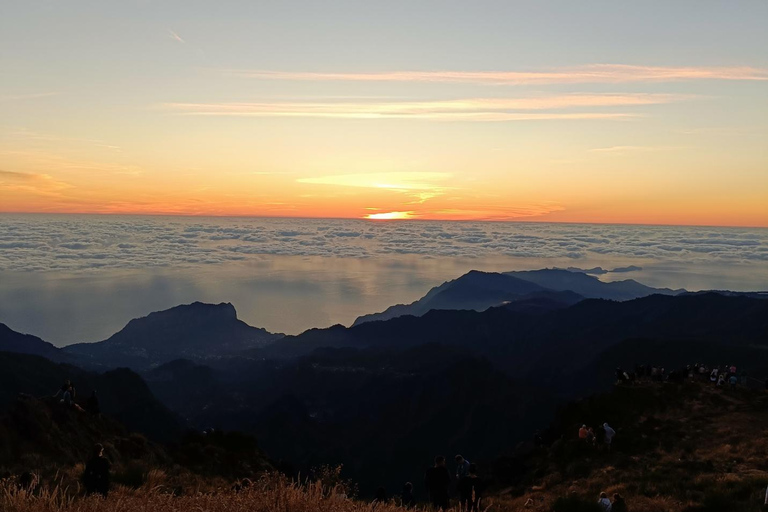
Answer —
(481, 290)
(475, 366)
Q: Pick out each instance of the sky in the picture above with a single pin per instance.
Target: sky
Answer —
(598, 112)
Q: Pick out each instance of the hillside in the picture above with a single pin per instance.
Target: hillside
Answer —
(195, 331)
(688, 447)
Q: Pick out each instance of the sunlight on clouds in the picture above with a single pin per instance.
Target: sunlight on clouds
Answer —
(400, 181)
(391, 216)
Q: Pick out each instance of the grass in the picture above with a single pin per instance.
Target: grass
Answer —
(272, 493)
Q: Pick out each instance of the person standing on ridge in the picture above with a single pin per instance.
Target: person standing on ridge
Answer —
(437, 480)
(96, 474)
(604, 502)
(407, 500)
(462, 467)
(470, 490)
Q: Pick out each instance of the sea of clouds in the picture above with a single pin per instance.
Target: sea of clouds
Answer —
(79, 243)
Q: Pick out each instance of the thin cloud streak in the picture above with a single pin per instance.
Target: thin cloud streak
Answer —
(173, 35)
(472, 109)
(594, 73)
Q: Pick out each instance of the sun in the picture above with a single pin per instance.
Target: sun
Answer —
(390, 216)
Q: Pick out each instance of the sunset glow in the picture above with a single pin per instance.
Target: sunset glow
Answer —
(208, 123)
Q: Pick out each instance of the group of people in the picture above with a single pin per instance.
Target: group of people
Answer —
(68, 394)
(439, 483)
(617, 505)
(718, 375)
(606, 433)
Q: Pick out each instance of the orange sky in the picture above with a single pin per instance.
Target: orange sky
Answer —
(153, 113)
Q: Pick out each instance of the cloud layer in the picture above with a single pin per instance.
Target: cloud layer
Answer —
(594, 73)
(74, 243)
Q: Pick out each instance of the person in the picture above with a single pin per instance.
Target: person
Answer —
(591, 436)
(68, 399)
(604, 502)
(437, 480)
(733, 380)
(381, 496)
(92, 405)
(583, 432)
(609, 433)
(713, 375)
(721, 379)
(407, 500)
(470, 490)
(63, 389)
(96, 474)
(462, 467)
(618, 505)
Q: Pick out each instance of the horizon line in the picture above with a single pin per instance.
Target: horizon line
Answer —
(497, 221)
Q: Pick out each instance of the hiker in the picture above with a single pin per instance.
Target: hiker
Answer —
(609, 433)
(462, 467)
(713, 375)
(68, 399)
(381, 496)
(407, 500)
(604, 502)
(92, 405)
(96, 474)
(618, 505)
(721, 379)
(437, 480)
(583, 432)
(63, 389)
(470, 490)
(733, 380)
(591, 436)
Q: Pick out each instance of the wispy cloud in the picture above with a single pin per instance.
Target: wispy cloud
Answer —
(627, 149)
(594, 73)
(176, 37)
(471, 109)
(421, 186)
(35, 183)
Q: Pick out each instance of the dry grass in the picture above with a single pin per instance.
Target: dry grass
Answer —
(272, 493)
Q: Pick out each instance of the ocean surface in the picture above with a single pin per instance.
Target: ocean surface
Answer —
(72, 278)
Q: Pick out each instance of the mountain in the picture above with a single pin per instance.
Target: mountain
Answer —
(12, 341)
(589, 286)
(555, 342)
(122, 393)
(195, 331)
(481, 290)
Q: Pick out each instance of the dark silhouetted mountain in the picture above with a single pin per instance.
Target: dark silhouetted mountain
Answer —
(122, 393)
(589, 286)
(12, 341)
(481, 290)
(196, 331)
(474, 290)
(554, 342)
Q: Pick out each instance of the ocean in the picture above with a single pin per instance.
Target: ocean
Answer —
(74, 278)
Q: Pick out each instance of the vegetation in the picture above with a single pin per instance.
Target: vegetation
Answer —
(688, 447)
(272, 493)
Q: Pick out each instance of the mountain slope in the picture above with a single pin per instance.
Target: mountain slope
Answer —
(195, 331)
(480, 290)
(122, 393)
(12, 341)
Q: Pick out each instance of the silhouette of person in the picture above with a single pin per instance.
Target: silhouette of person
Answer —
(470, 490)
(63, 389)
(407, 499)
(618, 505)
(462, 467)
(96, 474)
(381, 496)
(92, 405)
(437, 480)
